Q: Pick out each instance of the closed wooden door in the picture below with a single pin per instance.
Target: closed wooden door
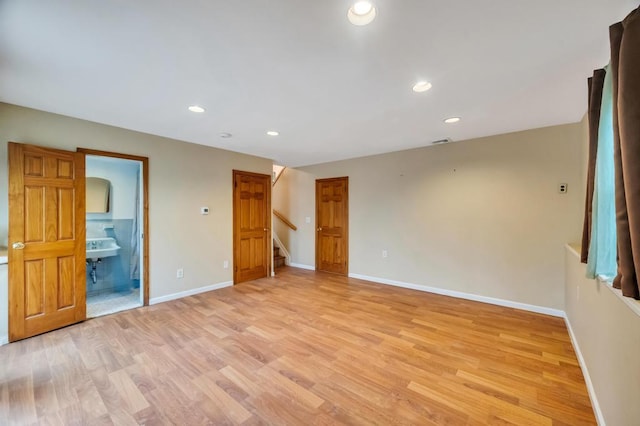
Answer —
(332, 230)
(251, 226)
(46, 240)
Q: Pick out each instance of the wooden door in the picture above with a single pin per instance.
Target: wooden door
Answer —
(251, 226)
(332, 220)
(46, 240)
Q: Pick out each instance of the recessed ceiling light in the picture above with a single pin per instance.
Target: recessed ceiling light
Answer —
(361, 13)
(452, 120)
(273, 133)
(362, 7)
(421, 86)
(225, 135)
(196, 108)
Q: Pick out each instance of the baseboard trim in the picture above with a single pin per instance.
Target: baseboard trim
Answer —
(4, 339)
(301, 266)
(462, 295)
(180, 295)
(585, 374)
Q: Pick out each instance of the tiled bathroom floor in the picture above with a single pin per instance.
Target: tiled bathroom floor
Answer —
(109, 303)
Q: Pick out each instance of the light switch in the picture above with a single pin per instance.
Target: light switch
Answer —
(307, 219)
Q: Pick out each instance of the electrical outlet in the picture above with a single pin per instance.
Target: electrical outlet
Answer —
(563, 188)
(180, 273)
(385, 253)
(225, 264)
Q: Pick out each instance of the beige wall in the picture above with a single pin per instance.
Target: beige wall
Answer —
(606, 332)
(482, 217)
(182, 178)
(294, 195)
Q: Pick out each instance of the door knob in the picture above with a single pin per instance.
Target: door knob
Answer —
(319, 229)
(18, 246)
(266, 229)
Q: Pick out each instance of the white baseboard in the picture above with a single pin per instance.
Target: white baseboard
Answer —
(179, 295)
(4, 339)
(461, 295)
(301, 266)
(585, 374)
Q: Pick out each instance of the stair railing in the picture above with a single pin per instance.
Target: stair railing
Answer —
(284, 220)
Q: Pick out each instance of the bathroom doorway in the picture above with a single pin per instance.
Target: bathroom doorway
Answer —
(116, 224)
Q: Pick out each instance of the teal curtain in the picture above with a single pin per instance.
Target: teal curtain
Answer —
(602, 260)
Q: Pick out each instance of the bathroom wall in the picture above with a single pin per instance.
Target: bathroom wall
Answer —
(113, 272)
(122, 174)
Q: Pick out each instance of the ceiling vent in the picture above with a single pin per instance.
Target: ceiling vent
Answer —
(441, 141)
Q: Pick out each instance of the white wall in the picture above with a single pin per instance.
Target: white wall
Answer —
(123, 175)
(482, 217)
(606, 332)
(182, 178)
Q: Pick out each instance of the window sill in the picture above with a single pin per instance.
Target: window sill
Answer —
(633, 304)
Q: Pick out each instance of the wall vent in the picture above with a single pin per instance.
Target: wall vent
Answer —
(440, 141)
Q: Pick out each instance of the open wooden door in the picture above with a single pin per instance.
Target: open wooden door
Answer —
(251, 226)
(332, 231)
(47, 283)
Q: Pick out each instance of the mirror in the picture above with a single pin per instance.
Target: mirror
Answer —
(97, 197)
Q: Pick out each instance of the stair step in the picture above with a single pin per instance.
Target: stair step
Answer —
(278, 261)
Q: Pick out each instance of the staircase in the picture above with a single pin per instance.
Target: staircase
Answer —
(278, 259)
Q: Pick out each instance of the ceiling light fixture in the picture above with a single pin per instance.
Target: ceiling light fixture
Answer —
(361, 13)
(196, 108)
(272, 133)
(421, 86)
(452, 120)
(225, 135)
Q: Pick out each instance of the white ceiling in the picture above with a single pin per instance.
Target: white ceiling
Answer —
(332, 90)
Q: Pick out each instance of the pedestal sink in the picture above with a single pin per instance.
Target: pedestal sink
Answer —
(99, 248)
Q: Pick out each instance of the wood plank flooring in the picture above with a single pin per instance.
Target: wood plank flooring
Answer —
(303, 348)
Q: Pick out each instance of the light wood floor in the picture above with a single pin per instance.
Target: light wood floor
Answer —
(304, 348)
